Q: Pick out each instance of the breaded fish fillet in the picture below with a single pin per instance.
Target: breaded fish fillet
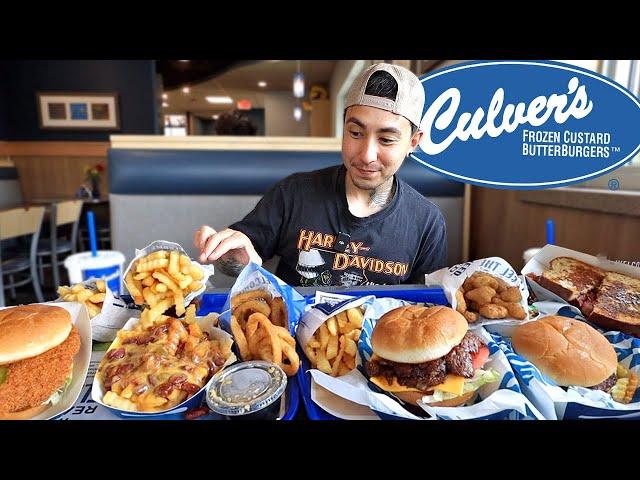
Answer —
(30, 382)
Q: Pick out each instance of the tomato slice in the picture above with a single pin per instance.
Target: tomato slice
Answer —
(480, 358)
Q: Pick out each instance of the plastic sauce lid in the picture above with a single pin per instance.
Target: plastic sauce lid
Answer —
(246, 387)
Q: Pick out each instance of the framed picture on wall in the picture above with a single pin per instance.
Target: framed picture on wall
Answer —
(62, 110)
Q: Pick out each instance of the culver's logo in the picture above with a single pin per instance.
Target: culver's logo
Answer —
(525, 124)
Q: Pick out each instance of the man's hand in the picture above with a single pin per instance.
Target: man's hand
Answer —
(228, 246)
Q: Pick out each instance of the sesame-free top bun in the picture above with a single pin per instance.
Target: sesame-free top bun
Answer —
(568, 351)
(416, 334)
(29, 330)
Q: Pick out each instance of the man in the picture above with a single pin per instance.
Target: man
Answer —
(233, 122)
(353, 224)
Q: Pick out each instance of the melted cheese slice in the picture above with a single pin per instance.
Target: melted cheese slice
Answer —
(391, 387)
(452, 384)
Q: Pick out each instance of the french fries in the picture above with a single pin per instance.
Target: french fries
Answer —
(178, 358)
(333, 347)
(88, 297)
(163, 279)
(625, 386)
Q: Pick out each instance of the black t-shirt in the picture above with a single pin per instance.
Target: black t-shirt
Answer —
(302, 217)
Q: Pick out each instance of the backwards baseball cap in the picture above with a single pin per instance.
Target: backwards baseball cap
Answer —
(408, 102)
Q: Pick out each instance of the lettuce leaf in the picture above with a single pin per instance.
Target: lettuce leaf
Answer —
(59, 393)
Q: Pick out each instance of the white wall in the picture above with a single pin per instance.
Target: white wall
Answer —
(344, 72)
(278, 116)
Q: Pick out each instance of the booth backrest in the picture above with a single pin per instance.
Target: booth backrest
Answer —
(10, 193)
(168, 194)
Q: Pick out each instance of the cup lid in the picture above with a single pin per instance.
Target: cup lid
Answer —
(246, 387)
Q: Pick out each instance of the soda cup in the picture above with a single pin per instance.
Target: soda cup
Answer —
(107, 265)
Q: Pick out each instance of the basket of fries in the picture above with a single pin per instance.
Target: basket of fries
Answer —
(162, 276)
(161, 368)
(108, 313)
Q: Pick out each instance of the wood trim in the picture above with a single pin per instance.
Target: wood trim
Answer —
(301, 144)
(6, 162)
(54, 149)
(466, 223)
(593, 199)
(503, 225)
(56, 177)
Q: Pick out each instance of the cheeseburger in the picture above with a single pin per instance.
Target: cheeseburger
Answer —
(37, 346)
(568, 351)
(428, 353)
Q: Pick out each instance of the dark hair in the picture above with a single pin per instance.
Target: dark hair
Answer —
(235, 123)
(382, 84)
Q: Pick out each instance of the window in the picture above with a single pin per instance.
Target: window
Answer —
(175, 125)
(627, 74)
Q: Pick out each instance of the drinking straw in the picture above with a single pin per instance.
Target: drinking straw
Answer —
(92, 234)
(551, 233)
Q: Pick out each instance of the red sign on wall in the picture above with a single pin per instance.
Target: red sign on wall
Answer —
(244, 104)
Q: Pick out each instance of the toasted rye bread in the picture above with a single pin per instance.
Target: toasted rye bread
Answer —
(569, 278)
(617, 306)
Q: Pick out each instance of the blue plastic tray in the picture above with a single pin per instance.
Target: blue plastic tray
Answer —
(314, 412)
(214, 302)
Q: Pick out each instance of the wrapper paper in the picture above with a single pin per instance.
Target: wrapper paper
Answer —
(555, 402)
(254, 277)
(112, 317)
(207, 270)
(499, 400)
(452, 278)
(207, 325)
(80, 317)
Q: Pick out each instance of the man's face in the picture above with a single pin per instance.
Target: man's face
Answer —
(374, 145)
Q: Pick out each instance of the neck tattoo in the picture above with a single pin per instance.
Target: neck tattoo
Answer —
(381, 196)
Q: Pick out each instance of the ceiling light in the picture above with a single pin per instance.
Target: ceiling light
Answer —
(215, 117)
(165, 104)
(297, 113)
(183, 60)
(185, 90)
(262, 84)
(165, 96)
(298, 85)
(214, 99)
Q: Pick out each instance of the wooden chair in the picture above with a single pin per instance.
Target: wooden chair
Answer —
(62, 213)
(14, 223)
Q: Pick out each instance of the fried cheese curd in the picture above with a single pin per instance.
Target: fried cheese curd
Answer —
(154, 369)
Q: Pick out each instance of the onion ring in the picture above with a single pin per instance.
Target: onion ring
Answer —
(259, 320)
(255, 340)
(252, 295)
(289, 353)
(284, 335)
(244, 310)
(240, 339)
(279, 316)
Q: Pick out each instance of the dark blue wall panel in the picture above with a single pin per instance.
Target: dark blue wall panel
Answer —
(133, 80)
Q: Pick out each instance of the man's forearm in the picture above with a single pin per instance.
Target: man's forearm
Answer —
(229, 265)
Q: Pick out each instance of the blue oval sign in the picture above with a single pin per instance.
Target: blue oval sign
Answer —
(525, 124)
